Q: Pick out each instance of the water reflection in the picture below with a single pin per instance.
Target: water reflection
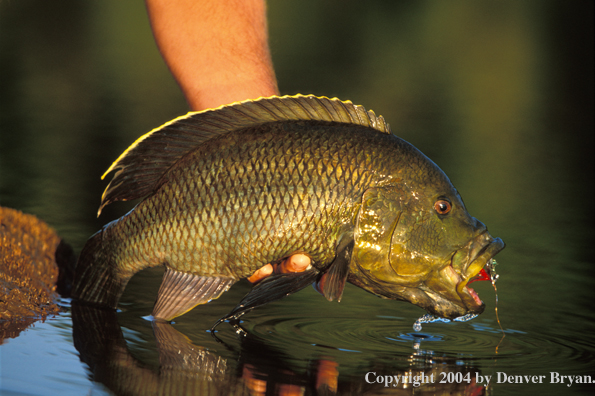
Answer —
(256, 367)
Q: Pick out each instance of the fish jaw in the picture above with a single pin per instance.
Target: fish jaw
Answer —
(443, 292)
(448, 287)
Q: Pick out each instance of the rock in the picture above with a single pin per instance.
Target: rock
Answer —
(33, 261)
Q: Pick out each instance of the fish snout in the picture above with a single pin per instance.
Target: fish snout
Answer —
(478, 226)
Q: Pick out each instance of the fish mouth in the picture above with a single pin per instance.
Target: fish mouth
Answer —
(450, 286)
(481, 257)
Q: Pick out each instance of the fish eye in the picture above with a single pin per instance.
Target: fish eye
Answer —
(442, 206)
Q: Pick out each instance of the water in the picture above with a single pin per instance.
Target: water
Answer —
(500, 95)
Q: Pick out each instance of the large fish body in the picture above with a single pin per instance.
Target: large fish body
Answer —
(229, 190)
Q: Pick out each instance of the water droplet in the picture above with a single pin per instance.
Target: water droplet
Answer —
(428, 318)
(465, 318)
(494, 277)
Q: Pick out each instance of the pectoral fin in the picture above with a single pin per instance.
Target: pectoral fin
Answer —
(332, 282)
(180, 292)
(270, 289)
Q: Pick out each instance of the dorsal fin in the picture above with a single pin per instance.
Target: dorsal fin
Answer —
(141, 166)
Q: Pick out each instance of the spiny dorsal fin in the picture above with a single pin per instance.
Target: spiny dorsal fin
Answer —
(141, 166)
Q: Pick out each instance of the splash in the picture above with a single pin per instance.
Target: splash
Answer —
(430, 318)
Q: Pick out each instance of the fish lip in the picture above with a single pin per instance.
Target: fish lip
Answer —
(482, 249)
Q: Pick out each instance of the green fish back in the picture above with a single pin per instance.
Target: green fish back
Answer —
(136, 177)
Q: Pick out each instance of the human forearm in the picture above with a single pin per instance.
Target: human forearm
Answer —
(216, 49)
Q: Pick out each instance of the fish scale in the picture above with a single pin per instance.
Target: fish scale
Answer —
(309, 207)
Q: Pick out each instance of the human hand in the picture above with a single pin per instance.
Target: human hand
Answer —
(296, 263)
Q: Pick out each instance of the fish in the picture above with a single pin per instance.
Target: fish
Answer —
(225, 191)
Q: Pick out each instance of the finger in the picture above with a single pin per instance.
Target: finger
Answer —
(296, 263)
(261, 273)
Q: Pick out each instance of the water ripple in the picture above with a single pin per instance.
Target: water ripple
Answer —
(383, 336)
